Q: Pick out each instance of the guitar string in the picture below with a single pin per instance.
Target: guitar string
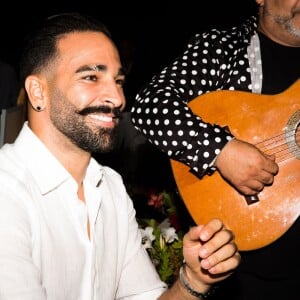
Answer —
(278, 145)
(278, 142)
(282, 153)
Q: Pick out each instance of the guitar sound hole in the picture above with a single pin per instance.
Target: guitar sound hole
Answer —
(297, 135)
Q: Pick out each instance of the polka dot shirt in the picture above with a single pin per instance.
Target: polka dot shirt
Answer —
(213, 60)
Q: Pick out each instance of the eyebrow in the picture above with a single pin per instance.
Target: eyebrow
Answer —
(98, 68)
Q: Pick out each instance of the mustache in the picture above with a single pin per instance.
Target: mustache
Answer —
(117, 113)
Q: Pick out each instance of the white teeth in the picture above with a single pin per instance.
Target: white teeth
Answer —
(101, 118)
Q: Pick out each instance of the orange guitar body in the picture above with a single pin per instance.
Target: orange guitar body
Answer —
(262, 120)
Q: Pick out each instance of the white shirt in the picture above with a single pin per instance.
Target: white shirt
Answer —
(45, 252)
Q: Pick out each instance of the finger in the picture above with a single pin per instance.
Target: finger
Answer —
(256, 186)
(210, 229)
(270, 166)
(214, 245)
(253, 187)
(245, 190)
(226, 266)
(266, 178)
(223, 260)
(204, 232)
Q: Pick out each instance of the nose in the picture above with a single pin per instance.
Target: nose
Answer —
(114, 96)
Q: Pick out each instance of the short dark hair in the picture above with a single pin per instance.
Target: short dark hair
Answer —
(40, 45)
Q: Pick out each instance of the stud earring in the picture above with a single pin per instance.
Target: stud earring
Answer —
(38, 108)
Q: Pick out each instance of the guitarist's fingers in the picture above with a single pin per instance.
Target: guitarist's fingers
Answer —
(246, 167)
(257, 185)
(266, 178)
(250, 189)
(253, 187)
(270, 166)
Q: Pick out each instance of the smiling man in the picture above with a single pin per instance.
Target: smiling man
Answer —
(67, 226)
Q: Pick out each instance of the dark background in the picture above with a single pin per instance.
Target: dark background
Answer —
(149, 33)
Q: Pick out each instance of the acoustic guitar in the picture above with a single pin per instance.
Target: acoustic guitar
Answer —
(270, 122)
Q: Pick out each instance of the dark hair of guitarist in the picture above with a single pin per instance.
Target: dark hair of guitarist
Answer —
(227, 114)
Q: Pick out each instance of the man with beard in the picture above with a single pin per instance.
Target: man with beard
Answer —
(261, 56)
(67, 226)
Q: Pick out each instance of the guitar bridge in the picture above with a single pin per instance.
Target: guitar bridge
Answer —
(251, 199)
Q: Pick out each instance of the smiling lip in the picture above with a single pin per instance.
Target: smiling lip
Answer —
(107, 120)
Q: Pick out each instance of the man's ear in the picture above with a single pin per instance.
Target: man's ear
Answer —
(35, 88)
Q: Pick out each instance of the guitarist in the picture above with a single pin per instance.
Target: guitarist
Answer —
(261, 55)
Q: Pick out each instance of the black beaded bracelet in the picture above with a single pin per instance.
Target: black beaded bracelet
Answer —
(199, 295)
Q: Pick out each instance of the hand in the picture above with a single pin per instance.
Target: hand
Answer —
(245, 167)
(210, 254)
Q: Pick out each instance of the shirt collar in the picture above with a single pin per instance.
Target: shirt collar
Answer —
(44, 167)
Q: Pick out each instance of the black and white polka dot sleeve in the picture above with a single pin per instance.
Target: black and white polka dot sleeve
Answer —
(161, 112)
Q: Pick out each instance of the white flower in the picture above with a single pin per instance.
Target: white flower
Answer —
(147, 237)
(168, 232)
